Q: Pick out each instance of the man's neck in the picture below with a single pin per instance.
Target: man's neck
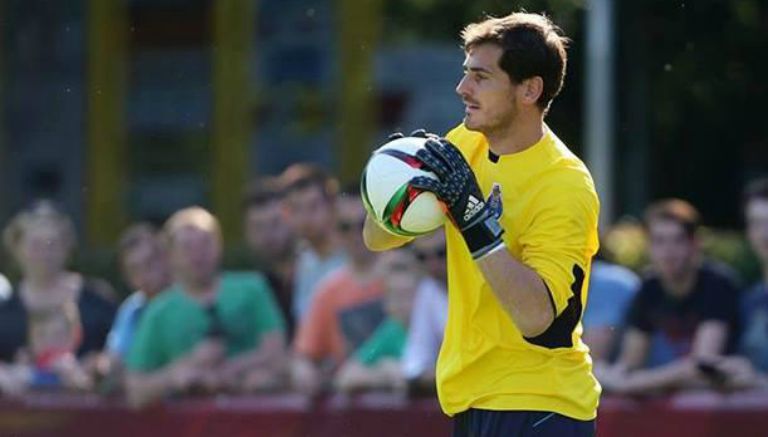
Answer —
(201, 290)
(683, 284)
(517, 137)
(41, 282)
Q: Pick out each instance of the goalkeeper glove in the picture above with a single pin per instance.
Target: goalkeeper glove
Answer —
(457, 187)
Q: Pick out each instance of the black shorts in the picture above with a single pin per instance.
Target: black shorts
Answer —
(486, 423)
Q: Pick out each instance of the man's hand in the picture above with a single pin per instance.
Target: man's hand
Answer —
(207, 353)
(457, 187)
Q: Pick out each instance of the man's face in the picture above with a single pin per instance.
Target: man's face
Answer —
(350, 217)
(145, 267)
(195, 254)
(311, 213)
(757, 227)
(267, 230)
(486, 90)
(672, 250)
(430, 251)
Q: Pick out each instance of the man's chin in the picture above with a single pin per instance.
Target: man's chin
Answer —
(470, 124)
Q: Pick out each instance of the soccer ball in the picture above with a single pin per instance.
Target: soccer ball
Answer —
(389, 198)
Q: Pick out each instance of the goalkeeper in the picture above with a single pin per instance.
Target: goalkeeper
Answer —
(523, 230)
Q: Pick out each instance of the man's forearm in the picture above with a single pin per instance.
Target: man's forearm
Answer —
(143, 389)
(679, 374)
(520, 291)
(270, 354)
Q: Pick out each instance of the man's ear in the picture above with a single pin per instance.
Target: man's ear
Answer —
(531, 89)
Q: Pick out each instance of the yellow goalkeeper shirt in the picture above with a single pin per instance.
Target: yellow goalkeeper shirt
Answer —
(547, 204)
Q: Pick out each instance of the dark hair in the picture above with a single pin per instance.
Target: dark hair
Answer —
(755, 190)
(135, 235)
(262, 191)
(676, 210)
(304, 175)
(533, 46)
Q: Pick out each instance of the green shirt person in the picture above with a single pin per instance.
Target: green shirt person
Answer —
(211, 331)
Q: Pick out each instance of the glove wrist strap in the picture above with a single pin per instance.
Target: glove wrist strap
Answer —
(483, 236)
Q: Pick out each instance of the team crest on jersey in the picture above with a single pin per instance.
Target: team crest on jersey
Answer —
(494, 200)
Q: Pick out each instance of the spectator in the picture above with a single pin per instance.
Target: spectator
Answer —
(210, 331)
(754, 342)
(611, 289)
(376, 365)
(430, 313)
(346, 309)
(55, 314)
(311, 200)
(271, 240)
(683, 318)
(145, 266)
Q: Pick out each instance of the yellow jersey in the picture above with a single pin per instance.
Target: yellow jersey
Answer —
(546, 202)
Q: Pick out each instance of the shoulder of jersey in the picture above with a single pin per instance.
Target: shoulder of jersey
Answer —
(465, 139)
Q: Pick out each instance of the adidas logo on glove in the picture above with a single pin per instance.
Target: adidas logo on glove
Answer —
(474, 205)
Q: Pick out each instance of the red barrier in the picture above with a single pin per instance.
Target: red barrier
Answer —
(373, 415)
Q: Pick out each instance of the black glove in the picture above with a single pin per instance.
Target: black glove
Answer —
(418, 133)
(457, 187)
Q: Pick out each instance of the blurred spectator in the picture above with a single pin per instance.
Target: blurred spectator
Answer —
(376, 364)
(55, 314)
(145, 266)
(210, 331)
(683, 318)
(611, 289)
(347, 306)
(754, 342)
(311, 199)
(272, 242)
(5, 288)
(429, 315)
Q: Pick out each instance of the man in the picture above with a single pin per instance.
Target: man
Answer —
(346, 308)
(376, 365)
(311, 200)
(684, 317)
(271, 240)
(512, 361)
(754, 342)
(145, 267)
(210, 331)
(429, 316)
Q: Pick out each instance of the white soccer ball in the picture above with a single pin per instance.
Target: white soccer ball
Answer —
(389, 198)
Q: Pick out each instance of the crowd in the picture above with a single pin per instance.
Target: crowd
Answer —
(319, 312)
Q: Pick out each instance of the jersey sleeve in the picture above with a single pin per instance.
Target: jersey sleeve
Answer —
(268, 317)
(145, 353)
(562, 237)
